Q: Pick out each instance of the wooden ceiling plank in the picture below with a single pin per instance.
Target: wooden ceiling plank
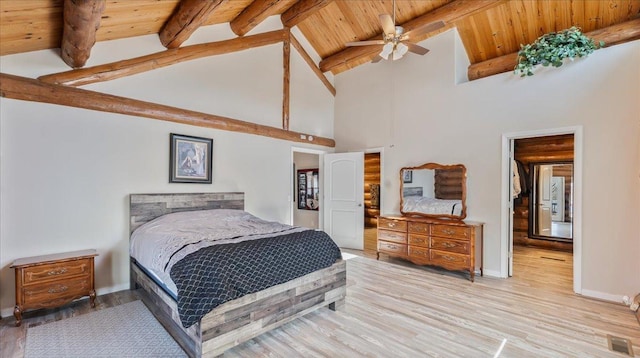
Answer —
(187, 18)
(255, 13)
(81, 20)
(305, 55)
(301, 10)
(449, 14)
(156, 60)
(612, 35)
(27, 89)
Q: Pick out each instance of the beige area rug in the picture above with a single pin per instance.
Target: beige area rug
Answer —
(128, 330)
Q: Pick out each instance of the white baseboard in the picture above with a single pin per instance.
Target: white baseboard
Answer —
(8, 312)
(492, 273)
(602, 296)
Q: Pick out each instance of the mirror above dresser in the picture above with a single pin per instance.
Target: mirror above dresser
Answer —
(434, 190)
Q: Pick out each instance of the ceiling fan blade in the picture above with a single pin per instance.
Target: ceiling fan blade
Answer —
(416, 49)
(424, 29)
(365, 43)
(388, 27)
(376, 59)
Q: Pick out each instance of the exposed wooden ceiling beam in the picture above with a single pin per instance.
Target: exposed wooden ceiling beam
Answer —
(189, 15)
(28, 89)
(448, 13)
(286, 79)
(296, 44)
(301, 10)
(612, 35)
(254, 14)
(111, 71)
(81, 20)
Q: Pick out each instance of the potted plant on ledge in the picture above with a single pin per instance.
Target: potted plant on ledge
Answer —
(553, 48)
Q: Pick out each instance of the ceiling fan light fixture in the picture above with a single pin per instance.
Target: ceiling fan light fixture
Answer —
(400, 50)
(387, 49)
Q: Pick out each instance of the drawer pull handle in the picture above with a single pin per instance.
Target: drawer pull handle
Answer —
(391, 224)
(448, 258)
(57, 272)
(448, 231)
(58, 289)
(449, 244)
(392, 246)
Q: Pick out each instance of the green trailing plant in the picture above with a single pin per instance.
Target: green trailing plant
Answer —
(553, 48)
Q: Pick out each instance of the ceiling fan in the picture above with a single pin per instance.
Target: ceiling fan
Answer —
(395, 42)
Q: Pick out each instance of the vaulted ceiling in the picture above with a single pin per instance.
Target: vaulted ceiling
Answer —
(490, 29)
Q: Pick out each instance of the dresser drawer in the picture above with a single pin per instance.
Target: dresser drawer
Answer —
(56, 290)
(392, 248)
(419, 228)
(459, 246)
(457, 232)
(56, 271)
(419, 240)
(394, 236)
(419, 252)
(450, 260)
(391, 224)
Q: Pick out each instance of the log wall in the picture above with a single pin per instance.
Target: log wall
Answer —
(371, 176)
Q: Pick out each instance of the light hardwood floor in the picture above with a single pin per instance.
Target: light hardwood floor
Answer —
(394, 309)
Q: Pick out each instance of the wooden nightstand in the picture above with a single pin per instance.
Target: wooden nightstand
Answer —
(53, 280)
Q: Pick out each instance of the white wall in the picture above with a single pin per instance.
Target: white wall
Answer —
(66, 173)
(415, 109)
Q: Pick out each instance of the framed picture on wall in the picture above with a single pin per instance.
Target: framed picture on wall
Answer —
(407, 176)
(308, 191)
(190, 159)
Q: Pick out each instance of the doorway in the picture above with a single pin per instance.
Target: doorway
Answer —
(306, 186)
(538, 153)
(371, 201)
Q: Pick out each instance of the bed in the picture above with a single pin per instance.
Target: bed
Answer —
(240, 319)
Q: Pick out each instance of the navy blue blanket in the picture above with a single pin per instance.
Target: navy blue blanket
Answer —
(220, 273)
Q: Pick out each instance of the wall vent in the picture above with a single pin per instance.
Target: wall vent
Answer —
(619, 344)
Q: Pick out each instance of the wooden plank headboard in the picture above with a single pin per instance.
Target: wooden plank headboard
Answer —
(146, 207)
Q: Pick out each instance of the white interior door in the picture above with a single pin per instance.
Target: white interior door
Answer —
(544, 200)
(344, 198)
(511, 206)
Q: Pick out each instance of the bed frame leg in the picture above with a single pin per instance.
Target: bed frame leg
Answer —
(337, 305)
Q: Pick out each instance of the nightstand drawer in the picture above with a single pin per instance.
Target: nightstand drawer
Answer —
(390, 224)
(56, 271)
(44, 294)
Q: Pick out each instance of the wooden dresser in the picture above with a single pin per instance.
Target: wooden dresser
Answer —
(451, 244)
(53, 280)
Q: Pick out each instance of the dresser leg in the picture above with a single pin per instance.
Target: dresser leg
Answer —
(473, 274)
(92, 298)
(377, 255)
(17, 313)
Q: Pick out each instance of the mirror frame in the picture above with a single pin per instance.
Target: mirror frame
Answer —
(531, 222)
(434, 166)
